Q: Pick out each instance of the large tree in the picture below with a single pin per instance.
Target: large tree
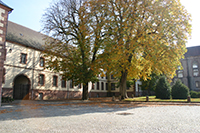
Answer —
(77, 31)
(145, 36)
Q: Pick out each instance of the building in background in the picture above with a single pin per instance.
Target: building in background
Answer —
(190, 75)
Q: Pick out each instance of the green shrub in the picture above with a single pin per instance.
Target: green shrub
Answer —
(193, 94)
(6, 99)
(179, 90)
(163, 89)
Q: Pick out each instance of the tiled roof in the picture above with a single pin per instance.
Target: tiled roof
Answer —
(4, 4)
(30, 38)
(193, 51)
(25, 36)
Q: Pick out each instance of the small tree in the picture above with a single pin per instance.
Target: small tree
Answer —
(150, 84)
(163, 89)
(179, 90)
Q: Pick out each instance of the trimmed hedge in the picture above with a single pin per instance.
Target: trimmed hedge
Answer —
(163, 89)
(179, 90)
(194, 94)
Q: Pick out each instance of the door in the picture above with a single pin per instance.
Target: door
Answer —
(21, 88)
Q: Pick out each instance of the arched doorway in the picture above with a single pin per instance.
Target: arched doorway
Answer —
(21, 87)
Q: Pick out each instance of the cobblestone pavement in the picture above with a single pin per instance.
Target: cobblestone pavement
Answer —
(92, 117)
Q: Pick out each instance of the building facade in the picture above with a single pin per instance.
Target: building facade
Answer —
(25, 76)
(189, 73)
(4, 11)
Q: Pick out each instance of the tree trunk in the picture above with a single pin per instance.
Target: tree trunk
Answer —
(123, 85)
(85, 95)
(109, 85)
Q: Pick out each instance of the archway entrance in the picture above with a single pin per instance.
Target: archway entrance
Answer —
(21, 87)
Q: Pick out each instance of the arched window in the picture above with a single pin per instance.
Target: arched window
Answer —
(195, 68)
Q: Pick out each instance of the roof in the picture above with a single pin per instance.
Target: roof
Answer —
(30, 38)
(193, 51)
(25, 36)
(5, 5)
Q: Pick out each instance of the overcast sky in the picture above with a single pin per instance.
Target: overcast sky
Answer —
(29, 12)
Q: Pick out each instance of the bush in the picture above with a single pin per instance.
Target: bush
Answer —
(6, 99)
(163, 89)
(194, 94)
(179, 90)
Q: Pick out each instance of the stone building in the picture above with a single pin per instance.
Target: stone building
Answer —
(189, 74)
(25, 76)
(4, 11)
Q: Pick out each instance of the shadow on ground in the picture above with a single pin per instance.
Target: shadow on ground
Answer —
(39, 109)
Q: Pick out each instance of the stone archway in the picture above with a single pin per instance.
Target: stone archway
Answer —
(21, 87)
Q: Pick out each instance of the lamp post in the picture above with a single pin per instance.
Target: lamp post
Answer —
(4, 11)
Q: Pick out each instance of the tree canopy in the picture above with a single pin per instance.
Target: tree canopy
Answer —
(146, 36)
(77, 29)
(130, 38)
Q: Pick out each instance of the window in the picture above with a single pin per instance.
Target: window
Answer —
(97, 85)
(106, 86)
(195, 69)
(112, 86)
(112, 77)
(71, 84)
(23, 58)
(79, 86)
(179, 72)
(55, 81)
(41, 79)
(63, 83)
(93, 85)
(197, 84)
(102, 86)
(41, 61)
(4, 73)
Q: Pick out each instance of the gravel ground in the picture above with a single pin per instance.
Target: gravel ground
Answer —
(74, 118)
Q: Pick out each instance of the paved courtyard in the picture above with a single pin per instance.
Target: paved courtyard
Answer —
(86, 117)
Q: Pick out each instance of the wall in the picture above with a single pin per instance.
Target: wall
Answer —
(32, 70)
(3, 28)
(188, 78)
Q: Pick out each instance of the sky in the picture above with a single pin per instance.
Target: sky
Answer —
(29, 13)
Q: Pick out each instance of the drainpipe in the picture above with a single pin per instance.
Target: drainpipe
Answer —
(68, 86)
(33, 67)
(188, 76)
